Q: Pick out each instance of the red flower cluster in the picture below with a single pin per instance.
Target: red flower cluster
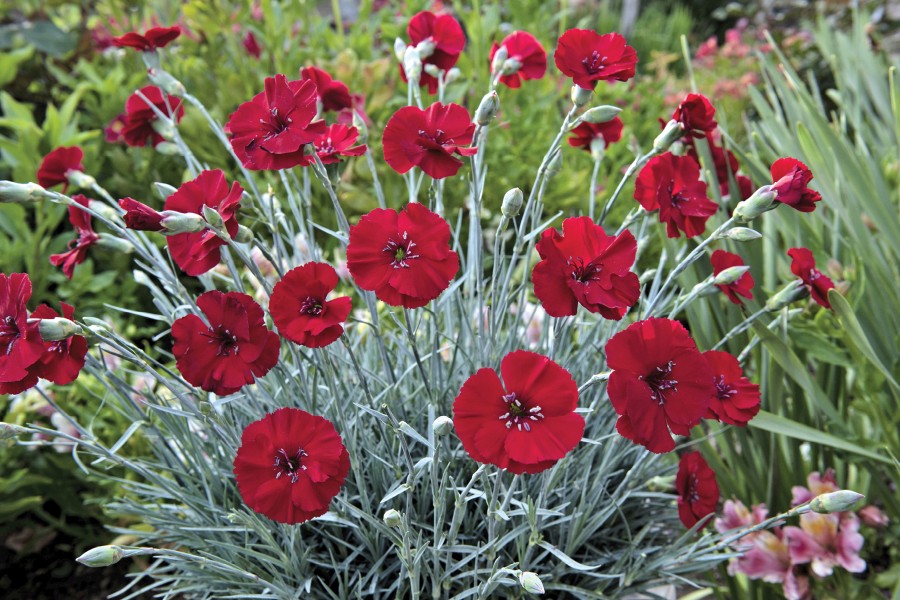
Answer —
(290, 465)
(156, 37)
(337, 141)
(270, 131)
(660, 382)
(78, 248)
(300, 310)
(736, 399)
(197, 253)
(439, 39)
(722, 260)
(696, 115)
(334, 95)
(21, 345)
(803, 265)
(139, 117)
(525, 58)
(671, 184)
(403, 256)
(585, 266)
(525, 424)
(229, 353)
(428, 139)
(790, 181)
(588, 57)
(56, 166)
(698, 490)
(585, 134)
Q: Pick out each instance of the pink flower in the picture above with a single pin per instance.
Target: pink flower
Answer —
(825, 542)
(737, 516)
(818, 484)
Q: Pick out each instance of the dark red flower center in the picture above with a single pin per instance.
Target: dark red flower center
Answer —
(723, 390)
(659, 381)
(678, 198)
(692, 494)
(594, 63)
(276, 123)
(227, 341)
(402, 250)
(289, 465)
(9, 333)
(519, 414)
(434, 141)
(312, 306)
(583, 273)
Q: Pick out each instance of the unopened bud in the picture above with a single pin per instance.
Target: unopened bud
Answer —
(99, 324)
(53, 330)
(742, 234)
(531, 583)
(244, 235)
(555, 164)
(600, 114)
(499, 58)
(835, 502)
(392, 518)
(425, 48)
(10, 191)
(101, 556)
(116, 244)
(165, 128)
(661, 484)
(412, 64)
(432, 70)
(174, 222)
(151, 59)
(213, 217)
(730, 275)
(104, 210)
(487, 109)
(512, 203)
(164, 189)
(399, 49)
(671, 133)
(786, 295)
(452, 75)
(442, 426)
(9, 431)
(362, 129)
(510, 66)
(581, 96)
(598, 148)
(164, 80)
(168, 149)
(762, 200)
(80, 180)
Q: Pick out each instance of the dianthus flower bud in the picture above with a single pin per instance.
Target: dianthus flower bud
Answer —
(598, 148)
(452, 75)
(79, 179)
(487, 109)
(9, 430)
(412, 64)
(174, 222)
(730, 275)
(531, 583)
(213, 217)
(671, 133)
(53, 330)
(11, 191)
(510, 66)
(788, 294)
(115, 244)
(165, 128)
(834, 502)
(244, 235)
(742, 234)
(168, 148)
(581, 96)
(762, 200)
(399, 49)
(99, 325)
(555, 164)
(165, 190)
(442, 426)
(500, 57)
(512, 203)
(164, 80)
(361, 128)
(101, 556)
(432, 70)
(104, 210)
(600, 114)
(392, 518)
(425, 48)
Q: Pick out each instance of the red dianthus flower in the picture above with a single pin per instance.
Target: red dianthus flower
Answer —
(586, 133)
(526, 423)
(659, 382)
(696, 115)
(139, 216)
(78, 248)
(722, 260)
(333, 94)
(270, 131)
(671, 184)
(290, 465)
(588, 57)
(698, 491)
(440, 40)
(156, 37)
(197, 253)
(20, 343)
(526, 58)
(803, 265)
(140, 118)
(790, 179)
(299, 308)
(56, 166)
(585, 266)
(403, 256)
(229, 353)
(736, 399)
(428, 139)
(337, 141)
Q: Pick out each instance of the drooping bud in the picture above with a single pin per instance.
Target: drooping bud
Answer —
(580, 96)
(600, 114)
(392, 518)
(53, 330)
(487, 109)
(412, 64)
(742, 234)
(244, 235)
(730, 275)
(80, 179)
(834, 502)
(9, 430)
(512, 203)
(762, 200)
(499, 58)
(671, 133)
(18, 193)
(442, 426)
(531, 583)
(399, 49)
(790, 293)
(174, 222)
(164, 80)
(101, 556)
(115, 244)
